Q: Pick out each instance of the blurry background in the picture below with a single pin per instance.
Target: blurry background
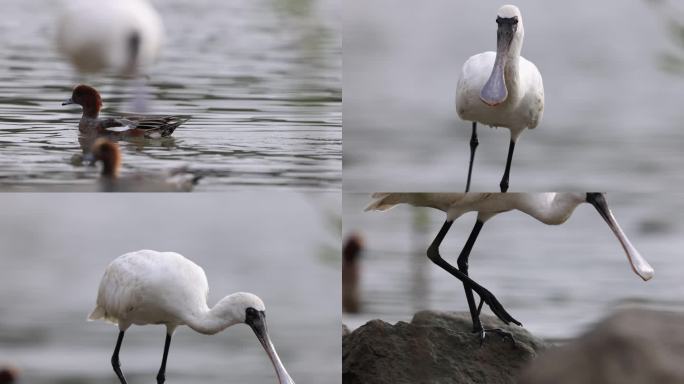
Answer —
(556, 280)
(261, 78)
(612, 77)
(283, 247)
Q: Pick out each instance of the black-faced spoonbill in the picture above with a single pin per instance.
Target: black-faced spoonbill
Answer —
(549, 208)
(150, 287)
(502, 88)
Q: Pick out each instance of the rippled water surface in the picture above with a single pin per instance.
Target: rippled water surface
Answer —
(612, 118)
(556, 280)
(54, 248)
(262, 80)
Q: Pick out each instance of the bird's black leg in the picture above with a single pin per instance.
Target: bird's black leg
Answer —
(475, 310)
(485, 295)
(473, 145)
(504, 180)
(161, 376)
(463, 267)
(115, 359)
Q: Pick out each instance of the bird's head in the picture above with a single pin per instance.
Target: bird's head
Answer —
(639, 265)
(107, 152)
(87, 97)
(250, 309)
(509, 38)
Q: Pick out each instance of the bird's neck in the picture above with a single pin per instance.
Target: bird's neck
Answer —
(550, 208)
(512, 76)
(213, 320)
(91, 111)
(512, 68)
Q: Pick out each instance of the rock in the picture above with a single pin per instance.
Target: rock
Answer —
(436, 347)
(631, 346)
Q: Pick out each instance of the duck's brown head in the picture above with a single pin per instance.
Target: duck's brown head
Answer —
(88, 98)
(108, 153)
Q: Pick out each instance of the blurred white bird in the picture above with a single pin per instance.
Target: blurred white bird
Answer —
(123, 36)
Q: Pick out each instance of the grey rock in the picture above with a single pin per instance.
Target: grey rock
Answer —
(629, 347)
(435, 347)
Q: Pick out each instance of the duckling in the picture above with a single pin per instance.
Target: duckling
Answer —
(108, 153)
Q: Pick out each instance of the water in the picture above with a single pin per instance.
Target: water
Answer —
(612, 118)
(53, 251)
(556, 280)
(262, 80)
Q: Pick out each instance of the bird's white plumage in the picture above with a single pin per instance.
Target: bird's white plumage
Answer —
(524, 105)
(150, 287)
(96, 35)
(551, 208)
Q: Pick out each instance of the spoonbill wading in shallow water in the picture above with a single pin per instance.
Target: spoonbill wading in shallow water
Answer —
(549, 208)
(502, 88)
(150, 287)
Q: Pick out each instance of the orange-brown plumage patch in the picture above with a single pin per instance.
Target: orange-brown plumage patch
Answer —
(108, 153)
(89, 98)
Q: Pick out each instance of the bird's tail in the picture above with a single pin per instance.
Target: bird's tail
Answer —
(385, 201)
(96, 314)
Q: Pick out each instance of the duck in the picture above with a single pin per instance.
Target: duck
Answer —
(123, 36)
(108, 153)
(148, 126)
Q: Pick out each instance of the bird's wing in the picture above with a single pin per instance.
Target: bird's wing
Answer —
(117, 125)
(535, 94)
(149, 122)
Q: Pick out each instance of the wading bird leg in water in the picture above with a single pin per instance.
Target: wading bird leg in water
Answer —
(161, 376)
(504, 180)
(115, 359)
(462, 263)
(473, 145)
(485, 295)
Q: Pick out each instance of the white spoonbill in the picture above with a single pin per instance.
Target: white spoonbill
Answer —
(502, 88)
(123, 36)
(549, 208)
(150, 287)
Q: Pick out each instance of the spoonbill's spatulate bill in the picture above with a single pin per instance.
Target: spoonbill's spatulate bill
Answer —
(150, 287)
(501, 89)
(549, 208)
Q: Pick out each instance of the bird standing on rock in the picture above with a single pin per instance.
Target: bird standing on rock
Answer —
(549, 208)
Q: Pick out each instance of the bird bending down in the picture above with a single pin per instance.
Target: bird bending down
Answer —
(150, 287)
(108, 152)
(501, 89)
(149, 126)
(549, 208)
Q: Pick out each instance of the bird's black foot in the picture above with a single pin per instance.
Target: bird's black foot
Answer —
(504, 334)
(494, 305)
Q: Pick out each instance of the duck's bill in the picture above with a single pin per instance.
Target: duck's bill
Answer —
(494, 91)
(639, 265)
(259, 327)
(68, 101)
